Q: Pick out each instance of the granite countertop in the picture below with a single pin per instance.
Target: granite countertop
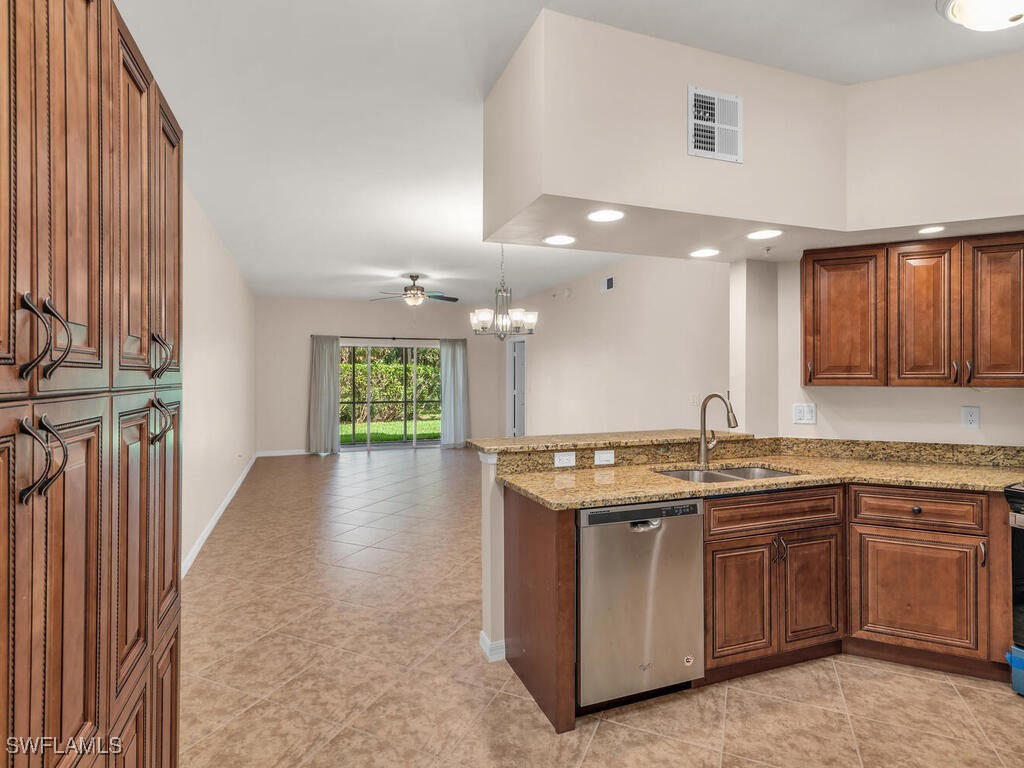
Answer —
(593, 440)
(605, 486)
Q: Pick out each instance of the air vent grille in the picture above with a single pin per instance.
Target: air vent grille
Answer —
(715, 125)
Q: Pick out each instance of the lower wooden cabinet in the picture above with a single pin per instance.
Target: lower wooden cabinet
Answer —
(773, 593)
(133, 729)
(166, 672)
(920, 589)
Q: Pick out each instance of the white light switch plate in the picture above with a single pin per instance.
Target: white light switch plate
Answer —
(970, 416)
(565, 459)
(604, 457)
(805, 413)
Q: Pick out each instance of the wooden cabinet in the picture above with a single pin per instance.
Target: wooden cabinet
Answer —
(166, 266)
(166, 529)
(844, 317)
(993, 304)
(740, 600)
(812, 587)
(920, 589)
(70, 595)
(166, 684)
(134, 729)
(924, 314)
(71, 282)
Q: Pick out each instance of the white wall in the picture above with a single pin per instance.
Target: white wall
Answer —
(218, 351)
(634, 358)
(284, 326)
(754, 345)
(919, 414)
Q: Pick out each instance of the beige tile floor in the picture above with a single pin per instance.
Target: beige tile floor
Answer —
(332, 620)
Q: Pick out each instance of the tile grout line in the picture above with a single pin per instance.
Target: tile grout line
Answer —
(586, 749)
(849, 717)
(977, 724)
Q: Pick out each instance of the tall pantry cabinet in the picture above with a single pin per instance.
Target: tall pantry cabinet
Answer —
(90, 398)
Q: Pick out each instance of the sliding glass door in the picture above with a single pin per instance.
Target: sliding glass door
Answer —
(389, 395)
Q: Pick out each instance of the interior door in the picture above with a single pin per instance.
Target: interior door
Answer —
(16, 462)
(812, 602)
(166, 271)
(166, 516)
(924, 314)
(18, 324)
(993, 289)
(71, 542)
(132, 520)
(844, 300)
(70, 277)
(135, 353)
(739, 586)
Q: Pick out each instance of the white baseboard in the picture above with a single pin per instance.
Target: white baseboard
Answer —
(492, 651)
(194, 552)
(262, 454)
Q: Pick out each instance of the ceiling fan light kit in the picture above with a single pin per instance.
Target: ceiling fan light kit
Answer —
(504, 320)
(414, 294)
(983, 15)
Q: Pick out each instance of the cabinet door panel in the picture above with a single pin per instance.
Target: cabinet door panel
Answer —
(919, 589)
(16, 462)
(131, 517)
(72, 538)
(924, 314)
(132, 127)
(71, 257)
(844, 317)
(812, 589)
(167, 512)
(166, 672)
(993, 289)
(134, 728)
(17, 326)
(167, 237)
(739, 599)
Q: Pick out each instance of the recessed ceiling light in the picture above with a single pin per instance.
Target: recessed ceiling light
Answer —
(930, 230)
(559, 239)
(605, 215)
(983, 15)
(764, 234)
(704, 253)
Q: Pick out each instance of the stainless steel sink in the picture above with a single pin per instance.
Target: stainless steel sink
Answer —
(755, 473)
(700, 476)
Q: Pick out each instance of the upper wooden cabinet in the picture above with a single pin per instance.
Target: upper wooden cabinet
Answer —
(993, 311)
(844, 317)
(955, 314)
(166, 265)
(924, 313)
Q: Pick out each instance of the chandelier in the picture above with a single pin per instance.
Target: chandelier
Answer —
(504, 320)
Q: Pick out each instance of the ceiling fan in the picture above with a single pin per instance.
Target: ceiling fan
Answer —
(414, 294)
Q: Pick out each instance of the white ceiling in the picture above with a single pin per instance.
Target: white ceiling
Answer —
(337, 144)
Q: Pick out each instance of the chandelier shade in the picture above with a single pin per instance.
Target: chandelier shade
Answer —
(504, 320)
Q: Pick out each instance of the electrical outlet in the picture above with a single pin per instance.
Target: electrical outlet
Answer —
(970, 417)
(604, 457)
(805, 413)
(565, 459)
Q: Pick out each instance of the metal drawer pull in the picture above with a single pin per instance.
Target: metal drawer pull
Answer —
(916, 510)
(167, 353)
(970, 372)
(774, 557)
(956, 372)
(26, 370)
(984, 554)
(643, 526)
(50, 368)
(785, 550)
(165, 414)
(26, 493)
(44, 423)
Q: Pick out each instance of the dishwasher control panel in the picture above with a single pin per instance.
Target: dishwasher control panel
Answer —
(631, 512)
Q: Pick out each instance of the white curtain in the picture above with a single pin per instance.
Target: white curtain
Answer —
(324, 392)
(454, 394)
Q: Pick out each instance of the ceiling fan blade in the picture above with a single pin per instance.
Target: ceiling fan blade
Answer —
(441, 298)
(390, 293)
(385, 298)
(435, 294)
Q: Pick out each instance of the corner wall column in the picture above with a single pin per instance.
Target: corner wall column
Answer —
(492, 556)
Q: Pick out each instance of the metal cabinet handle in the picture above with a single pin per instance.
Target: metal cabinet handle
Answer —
(165, 414)
(984, 554)
(47, 426)
(810, 372)
(155, 373)
(167, 352)
(26, 493)
(643, 526)
(956, 372)
(970, 371)
(170, 355)
(50, 368)
(26, 370)
(916, 510)
(774, 556)
(784, 555)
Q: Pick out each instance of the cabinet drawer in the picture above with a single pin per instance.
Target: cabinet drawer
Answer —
(914, 508)
(773, 511)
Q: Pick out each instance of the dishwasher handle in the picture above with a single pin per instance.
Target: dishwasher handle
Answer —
(644, 526)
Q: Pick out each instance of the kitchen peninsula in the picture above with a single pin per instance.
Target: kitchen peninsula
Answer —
(894, 550)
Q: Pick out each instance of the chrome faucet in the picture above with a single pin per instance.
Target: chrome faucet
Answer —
(706, 446)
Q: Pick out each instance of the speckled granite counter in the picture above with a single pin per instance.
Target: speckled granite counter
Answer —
(601, 486)
(592, 440)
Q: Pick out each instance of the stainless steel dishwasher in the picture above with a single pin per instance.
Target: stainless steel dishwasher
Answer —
(641, 612)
